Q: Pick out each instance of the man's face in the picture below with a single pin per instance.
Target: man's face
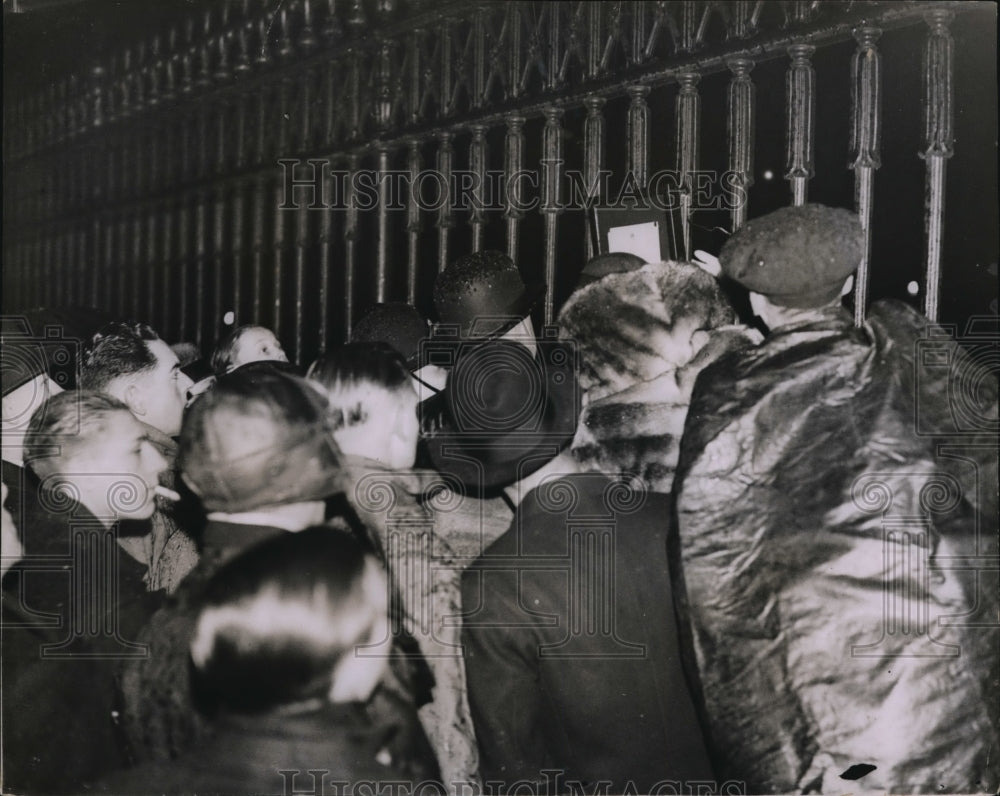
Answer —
(115, 470)
(256, 345)
(161, 393)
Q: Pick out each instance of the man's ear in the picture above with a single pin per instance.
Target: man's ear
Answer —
(848, 285)
(134, 399)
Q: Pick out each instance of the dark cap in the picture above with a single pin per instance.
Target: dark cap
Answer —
(259, 438)
(484, 294)
(506, 413)
(608, 263)
(796, 256)
(396, 324)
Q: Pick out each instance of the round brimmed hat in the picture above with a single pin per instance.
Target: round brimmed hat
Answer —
(796, 256)
(506, 413)
(259, 437)
(483, 293)
(396, 324)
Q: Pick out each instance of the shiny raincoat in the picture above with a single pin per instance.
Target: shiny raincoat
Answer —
(837, 513)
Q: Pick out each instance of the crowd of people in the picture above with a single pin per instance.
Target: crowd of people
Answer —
(650, 549)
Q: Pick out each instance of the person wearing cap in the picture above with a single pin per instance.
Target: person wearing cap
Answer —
(75, 602)
(257, 451)
(823, 483)
(600, 697)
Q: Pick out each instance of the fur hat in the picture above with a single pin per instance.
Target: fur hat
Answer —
(259, 438)
(506, 413)
(630, 327)
(796, 256)
(396, 324)
(483, 294)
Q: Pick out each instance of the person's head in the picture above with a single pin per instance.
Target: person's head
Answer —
(404, 328)
(794, 259)
(291, 621)
(26, 386)
(484, 295)
(246, 344)
(130, 362)
(631, 327)
(258, 440)
(372, 403)
(89, 446)
(508, 413)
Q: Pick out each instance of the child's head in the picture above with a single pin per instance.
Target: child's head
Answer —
(288, 621)
(373, 405)
(246, 344)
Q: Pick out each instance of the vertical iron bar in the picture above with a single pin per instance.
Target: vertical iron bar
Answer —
(866, 134)
(800, 107)
(412, 222)
(552, 168)
(742, 109)
(478, 156)
(938, 147)
(513, 166)
(444, 219)
(688, 113)
(593, 146)
(638, 134)
(350, 243)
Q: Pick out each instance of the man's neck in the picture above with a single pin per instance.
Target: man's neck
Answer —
(778, 318)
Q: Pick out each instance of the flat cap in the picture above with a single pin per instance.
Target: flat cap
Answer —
(796, 256)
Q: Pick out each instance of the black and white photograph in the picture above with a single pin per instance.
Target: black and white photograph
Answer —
(500, 398)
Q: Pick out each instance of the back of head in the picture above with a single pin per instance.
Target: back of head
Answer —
(65, 423)
(353, 370)
(796, 257)
(633, 326)
(259, 437)
(118, 350)
(278, 620)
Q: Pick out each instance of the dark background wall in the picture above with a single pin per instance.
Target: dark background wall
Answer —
(307, 269)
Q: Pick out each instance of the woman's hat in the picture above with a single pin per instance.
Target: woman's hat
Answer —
(483, 293)
(505, 413)
(397, 324)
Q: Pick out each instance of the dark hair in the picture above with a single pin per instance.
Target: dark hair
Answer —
(63, 424)
(224, 355)
(117, 349)
(351, 368)
(276, 620)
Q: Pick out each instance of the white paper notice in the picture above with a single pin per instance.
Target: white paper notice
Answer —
(642, 240)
